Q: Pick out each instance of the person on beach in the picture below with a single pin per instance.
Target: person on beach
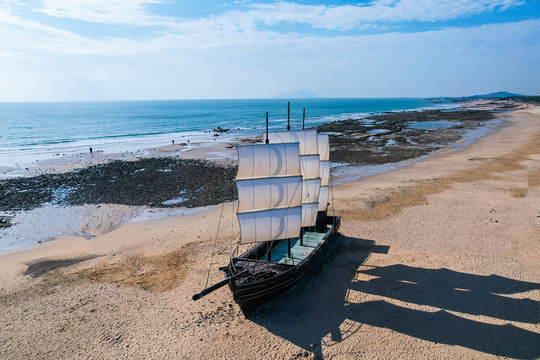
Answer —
(90, 150)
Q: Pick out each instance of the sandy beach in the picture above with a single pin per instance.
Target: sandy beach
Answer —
(437, 259)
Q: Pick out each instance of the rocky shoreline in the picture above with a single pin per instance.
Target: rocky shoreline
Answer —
(389, 137)
(156, 182)
(172, 182)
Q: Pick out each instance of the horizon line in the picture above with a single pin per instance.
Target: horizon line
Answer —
(270, 98)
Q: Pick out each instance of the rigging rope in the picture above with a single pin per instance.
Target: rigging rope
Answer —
(214, 249)
(331, 187)
(231, 245)
(232, 218)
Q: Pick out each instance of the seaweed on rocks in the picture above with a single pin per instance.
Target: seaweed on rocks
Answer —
(388, 137)
(153, 181)
(431, 115)
(149, 181)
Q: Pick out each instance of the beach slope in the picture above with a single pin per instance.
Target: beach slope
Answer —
(438, 259)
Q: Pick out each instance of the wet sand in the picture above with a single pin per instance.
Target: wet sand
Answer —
(438, 259)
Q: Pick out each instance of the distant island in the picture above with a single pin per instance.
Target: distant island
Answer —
(299, 94)
(498, 94)
(532, 99)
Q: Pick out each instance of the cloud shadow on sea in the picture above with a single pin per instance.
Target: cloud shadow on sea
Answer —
(319, 313)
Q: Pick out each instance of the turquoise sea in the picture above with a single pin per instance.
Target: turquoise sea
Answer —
(30, 131)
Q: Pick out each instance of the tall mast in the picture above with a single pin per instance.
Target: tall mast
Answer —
(288, 115)
(266, 141)
(288, 129)
(303, 126)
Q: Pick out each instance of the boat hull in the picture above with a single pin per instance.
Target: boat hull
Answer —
(266, 280)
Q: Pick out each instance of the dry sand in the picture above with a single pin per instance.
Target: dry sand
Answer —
(437, 260)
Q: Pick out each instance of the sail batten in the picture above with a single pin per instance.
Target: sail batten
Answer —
(263, 210)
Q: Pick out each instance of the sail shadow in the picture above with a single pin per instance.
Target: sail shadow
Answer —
(443, 327)
(318, 313)
(453, 290)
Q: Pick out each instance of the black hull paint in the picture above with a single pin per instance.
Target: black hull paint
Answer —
(266, 280)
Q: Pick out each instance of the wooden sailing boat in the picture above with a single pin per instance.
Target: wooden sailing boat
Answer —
(282, 206)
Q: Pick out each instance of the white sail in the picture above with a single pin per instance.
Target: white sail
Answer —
(307, 140)
(324, 153)
(324, 172)
(309, 166)
(269, 193)
(323, 198)
(309, 214)
(323, 145)
(310, 190)
(323, 192)
(268, 160)
(268, 225)
(269, 184)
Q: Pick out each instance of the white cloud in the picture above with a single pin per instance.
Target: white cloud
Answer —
(136, 12)
(446, 62)
(234, 55)
(350, 16)
(231, 28)
(129, 12)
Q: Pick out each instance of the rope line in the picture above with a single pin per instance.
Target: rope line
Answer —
(232, 218)
(232, 243)
(214, 248)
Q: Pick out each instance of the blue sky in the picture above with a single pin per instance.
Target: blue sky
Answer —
(69, 50)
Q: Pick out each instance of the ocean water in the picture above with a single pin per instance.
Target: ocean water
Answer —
(35, 131)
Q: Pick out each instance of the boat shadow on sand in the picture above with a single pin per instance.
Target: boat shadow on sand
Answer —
(320, 312)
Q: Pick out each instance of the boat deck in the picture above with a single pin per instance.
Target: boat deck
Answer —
(280, 253)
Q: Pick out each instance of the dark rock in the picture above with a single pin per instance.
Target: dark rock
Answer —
(351, 141)
(143, 182)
